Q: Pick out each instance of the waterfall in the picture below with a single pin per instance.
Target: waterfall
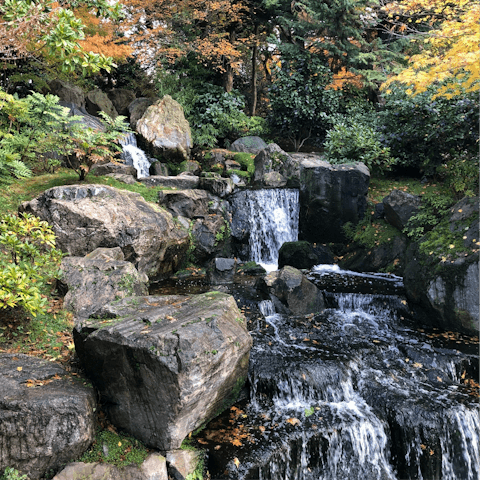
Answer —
(135, 156)
(273, 220)
(352, 393)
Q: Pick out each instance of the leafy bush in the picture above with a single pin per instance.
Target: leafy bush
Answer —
(12, 474)
(420, 131)
(218, 117)
(352, 140)
(301, 105)
(459, 173)
(28, 262)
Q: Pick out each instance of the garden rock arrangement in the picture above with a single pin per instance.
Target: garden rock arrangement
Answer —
(85, 217)
(165, 365)
(47, 417)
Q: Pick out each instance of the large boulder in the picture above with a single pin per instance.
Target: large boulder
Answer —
(98, 278)
(222, 187)
(154, 467)
(85, 217)
(164, 130)
(165, 365)
(137, 108)
(399, 206)
(293, 289)
(445, 288)
(209, 221)
(47, 418)
(97, 101)
(86, 121)
(250, 144)
(192, 203)
(100, 169)
(121, 98)
(303, 254)
(330, 196)
(67, 92)
(275, 168)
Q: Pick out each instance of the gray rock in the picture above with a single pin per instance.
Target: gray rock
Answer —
(399, 206)
(159, 169)
(274, 159)
(121, 98)
(248, 144)
(293, 289)
(221, 271)
(211, 237)
(111, 167)
(98, 101)
(192, 167)
(219, 186)
(330, 196)
(182, 463)
(98, 278)
(46, 424)
(192, 203)
(165, 365)
(446, 290)
(153, 468)
(299, 255)
(86, 121)
(180, 182)
(85, 217)
(137, 108)
(165, 130)
(120, 177)
(274, 180)
(67, 92)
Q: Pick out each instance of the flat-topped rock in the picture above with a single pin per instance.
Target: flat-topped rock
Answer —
(180, 181)
(164, 365)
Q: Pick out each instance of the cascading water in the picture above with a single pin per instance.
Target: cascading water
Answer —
(135, 156)
(354, 392)
(271, 217)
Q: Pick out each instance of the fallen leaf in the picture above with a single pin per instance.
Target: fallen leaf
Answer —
(293, 421)
(439, 379)
(236, 461)
(417, 365)
(236, 442)
(261, 428)
(19, 369)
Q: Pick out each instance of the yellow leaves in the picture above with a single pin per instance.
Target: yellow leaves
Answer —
(19, 369)
(450, 50)
(236, 461)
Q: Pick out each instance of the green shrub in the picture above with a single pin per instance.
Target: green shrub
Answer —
(352, 140)
(459, 173)
(12, 474)
(217, 118)
(28, 262)
(420, 131)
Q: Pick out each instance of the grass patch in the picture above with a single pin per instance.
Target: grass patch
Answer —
(27, 189)
(116, 449)
(47, 335)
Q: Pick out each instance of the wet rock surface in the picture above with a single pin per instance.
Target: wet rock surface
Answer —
(330, 196)
(165, 364)
(46, 417)
(358, 391)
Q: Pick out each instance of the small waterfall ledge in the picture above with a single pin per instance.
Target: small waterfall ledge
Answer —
(135, 156)
(265, 219)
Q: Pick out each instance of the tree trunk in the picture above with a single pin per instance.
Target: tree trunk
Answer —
(254, 73)
(228, 79)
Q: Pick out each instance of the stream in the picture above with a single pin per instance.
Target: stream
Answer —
(359, 390)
